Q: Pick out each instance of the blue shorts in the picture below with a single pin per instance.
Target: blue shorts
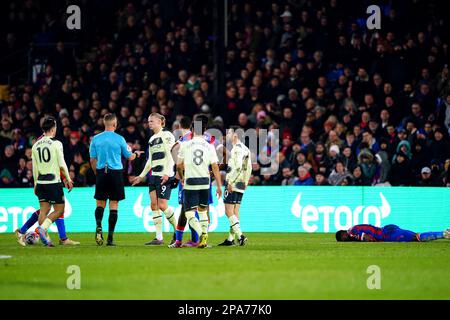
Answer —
(181, 195)
(393, 233)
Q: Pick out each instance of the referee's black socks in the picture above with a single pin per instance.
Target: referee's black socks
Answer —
(99, 216)
(112, 223)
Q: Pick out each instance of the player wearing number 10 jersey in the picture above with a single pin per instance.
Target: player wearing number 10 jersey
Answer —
(48, 162)
(63, 239)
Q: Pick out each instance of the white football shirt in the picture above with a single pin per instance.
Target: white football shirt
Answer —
(48, 161)
(160, 159)
(240, 165)
(197, 155)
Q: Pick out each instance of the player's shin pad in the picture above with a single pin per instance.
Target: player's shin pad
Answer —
(235, 226)
(193, 221)
(203, 217)
(170, 217)
(157, 221)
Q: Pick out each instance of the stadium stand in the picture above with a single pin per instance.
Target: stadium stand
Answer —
(353, 106)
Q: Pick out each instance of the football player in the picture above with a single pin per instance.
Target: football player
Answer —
(161, 164)
(48, 163)
(236, 180)
(389, 233)
(194, 159)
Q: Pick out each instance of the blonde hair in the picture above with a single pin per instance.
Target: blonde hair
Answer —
(160, 117)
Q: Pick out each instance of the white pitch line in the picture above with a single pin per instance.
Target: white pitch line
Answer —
(5, 257)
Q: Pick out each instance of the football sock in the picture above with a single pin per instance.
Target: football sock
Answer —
(194, 235)
(46, 224)
(234, 223)
(179, 233)
(61, 228)
(99, 216)
(30, 222)
(180, 226)
(171, 217)
(203, 218)
(430, 236)
(230, 235)
(112, 220)
(193, 221)
(157, 221)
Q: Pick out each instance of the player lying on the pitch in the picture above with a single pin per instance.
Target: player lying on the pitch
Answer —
(389, 233)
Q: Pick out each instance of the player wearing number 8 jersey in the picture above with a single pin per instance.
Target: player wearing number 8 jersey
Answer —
(161, 164)
(48, 162)
(194, 158)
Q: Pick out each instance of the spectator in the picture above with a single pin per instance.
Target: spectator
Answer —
(6, 179)
(357, 179)
(304, 177)
(401, 172)
(333, 156)
(9, 159)
(338, 174)
(367, 165)
(439, 147)
(321, 180)
(288, 177)
(405, 148)
(420, 156)
(348, 159)
(426, 179)
(384, 163)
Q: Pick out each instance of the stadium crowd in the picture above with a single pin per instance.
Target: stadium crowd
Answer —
(353, 106)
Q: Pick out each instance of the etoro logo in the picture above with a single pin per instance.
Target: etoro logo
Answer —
(15, 217)
(311, 216)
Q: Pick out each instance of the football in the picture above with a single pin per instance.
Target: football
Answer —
(31, 237)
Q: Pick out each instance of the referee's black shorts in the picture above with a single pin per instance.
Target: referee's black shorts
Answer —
(109, 185)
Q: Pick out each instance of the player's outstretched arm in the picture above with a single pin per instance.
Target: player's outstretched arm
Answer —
(141, 177)
(136, 154)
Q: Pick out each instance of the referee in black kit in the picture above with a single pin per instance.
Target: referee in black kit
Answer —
(106, 151)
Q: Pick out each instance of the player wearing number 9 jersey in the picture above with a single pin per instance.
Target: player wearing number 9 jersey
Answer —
(48, 163)
(194, 158)
(161, 164)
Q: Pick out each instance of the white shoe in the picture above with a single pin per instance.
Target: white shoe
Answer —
(68, 242)
(20, 238)
(447, 234)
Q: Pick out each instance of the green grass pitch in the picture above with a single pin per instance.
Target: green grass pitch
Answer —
(271, 266)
